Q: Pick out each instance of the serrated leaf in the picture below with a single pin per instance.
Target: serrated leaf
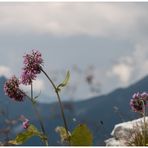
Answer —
(81, 136)
(24, 136)
(62, 132)
(65, 82)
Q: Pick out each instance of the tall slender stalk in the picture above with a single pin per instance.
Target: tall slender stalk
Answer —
(59, 100)
(38, 116)
(144, 111)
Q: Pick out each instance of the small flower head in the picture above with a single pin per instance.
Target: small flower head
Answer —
(26, 124)
(11, 88)
(25, 121)
(138, 100)
(144, 96)
(32, 67)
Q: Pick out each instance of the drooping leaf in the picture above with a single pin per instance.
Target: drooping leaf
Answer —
(81, 136)
(25, 135)
(65, 82)
(63, 134)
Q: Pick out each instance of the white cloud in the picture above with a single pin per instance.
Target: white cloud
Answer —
(101, 19)
(132, 67)
(122, 71)
(38, 85)
(5, 71)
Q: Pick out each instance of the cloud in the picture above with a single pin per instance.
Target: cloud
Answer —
(132, 67)
(38, 85)
(122, 71)
(96, 19)
(140, 59)
(5, 71)
(114, 23)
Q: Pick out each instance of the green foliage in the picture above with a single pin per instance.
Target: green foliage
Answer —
(81, 136)
(27, 134)
(65, 82)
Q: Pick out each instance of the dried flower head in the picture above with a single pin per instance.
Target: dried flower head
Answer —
(138, 100)
(11, 88)
(32, 67)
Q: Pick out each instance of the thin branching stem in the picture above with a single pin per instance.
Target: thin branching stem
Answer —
(59, 100)
(38, 115)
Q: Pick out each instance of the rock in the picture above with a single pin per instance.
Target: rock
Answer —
(114, 142)
(122, 132)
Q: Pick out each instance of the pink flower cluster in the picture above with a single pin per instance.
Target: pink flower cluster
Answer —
(32, 67)
(138, 100)
(11, 88)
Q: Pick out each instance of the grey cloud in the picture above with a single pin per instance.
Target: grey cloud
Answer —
(124, 20)
(99, 34)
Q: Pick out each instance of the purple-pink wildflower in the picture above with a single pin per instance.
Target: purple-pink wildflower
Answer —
(32, 67)
(26, 124)
(137, 101)
(11, 88)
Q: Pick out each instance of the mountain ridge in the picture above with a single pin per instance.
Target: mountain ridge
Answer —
(98, 112)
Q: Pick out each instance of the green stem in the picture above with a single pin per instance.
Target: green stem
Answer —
(38, 115)
(59, 100)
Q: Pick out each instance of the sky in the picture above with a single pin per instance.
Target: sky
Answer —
(106, 40)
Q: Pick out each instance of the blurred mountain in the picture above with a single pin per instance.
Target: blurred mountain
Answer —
(99, 113)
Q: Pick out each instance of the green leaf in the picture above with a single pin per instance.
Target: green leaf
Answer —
(63, 134)
(65, 82)
(27, 134)
(81, 136)
(37, 95)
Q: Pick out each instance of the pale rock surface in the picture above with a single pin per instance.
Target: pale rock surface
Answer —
(122, 132)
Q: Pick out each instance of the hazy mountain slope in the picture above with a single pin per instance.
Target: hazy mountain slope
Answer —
(97, 112)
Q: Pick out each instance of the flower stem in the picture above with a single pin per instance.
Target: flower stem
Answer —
(144, 111)
(38, 115)
(59, 100)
